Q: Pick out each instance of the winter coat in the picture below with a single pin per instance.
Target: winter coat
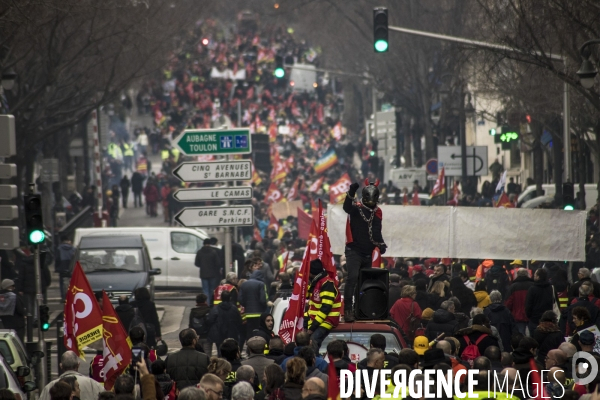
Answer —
(515, 301)
(422, 300)
(321, 364)
(443, 321)
(253, 294)
(263, 331)
(126, 313)
(496, 279)
(225, 322)
(549, 337)
(259, 362)
(208, 260)
(574, 292)
(125, 184)
(147, 310)
(394, 294)
(435, 301)
(292, 391)
(64, 255)
(137, 182)
(186, 367)
(474, 332)
(502, 319)
(151, 193)
(199, 312)
(467, 301)
(313, 372)
(483, 299)
(401, 311)
(539, 299)
(15, 321)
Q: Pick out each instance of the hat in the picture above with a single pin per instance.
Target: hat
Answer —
(427, 314)
(433, 356)
(6, 283)
(585, 337)
(517, 262)
(418, 268)
(421, 345)
(316, 267)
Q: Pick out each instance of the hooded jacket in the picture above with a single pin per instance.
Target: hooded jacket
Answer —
(483, 298)
(474, 332)
(497, 279)
(321, 364)
(253, 295)
(63, 259)
(443, 321)
(549, 337)
(263, 331)
(502, 319)
(225, 322)
(517, 293)
(539, 299)
(483, 269)
(357, 229)
(126, 313)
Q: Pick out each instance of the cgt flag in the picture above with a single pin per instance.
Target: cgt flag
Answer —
(83, 317)
(440, 185)
(337, 191)
(117, 345)
(333, 385)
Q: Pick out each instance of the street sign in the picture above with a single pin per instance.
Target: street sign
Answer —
(216, 216)
(209, 194)
(431, 166)
(216, 171)
(50, 170)
(450, 158)
(8, 213)
(9, 237)
(214, 141)
(8, 192)
(8, 171)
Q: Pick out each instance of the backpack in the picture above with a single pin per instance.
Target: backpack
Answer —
(471, 352)
(200, 326)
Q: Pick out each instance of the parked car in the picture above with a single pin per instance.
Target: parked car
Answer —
(118, 264)
(549, 189)
(10, 380)
(172, 250)
(14, 353)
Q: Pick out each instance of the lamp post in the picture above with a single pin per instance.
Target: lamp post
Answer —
(587, 72)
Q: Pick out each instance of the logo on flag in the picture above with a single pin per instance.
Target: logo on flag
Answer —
(338, 190)
(117, 345)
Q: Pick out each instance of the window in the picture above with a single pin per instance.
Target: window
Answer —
(185, 243)
(6, 353)
(94, 260)
(363, 338)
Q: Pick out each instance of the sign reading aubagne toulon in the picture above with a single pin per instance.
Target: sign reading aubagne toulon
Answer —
(214, 141)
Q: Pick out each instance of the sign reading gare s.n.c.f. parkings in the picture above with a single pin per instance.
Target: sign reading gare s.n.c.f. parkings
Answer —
(239, 215)
(214, 141)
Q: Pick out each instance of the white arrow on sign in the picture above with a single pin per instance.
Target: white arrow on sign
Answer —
(239, 170)
(216, 216)
(221, 193)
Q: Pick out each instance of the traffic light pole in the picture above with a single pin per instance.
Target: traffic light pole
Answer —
(42, 373)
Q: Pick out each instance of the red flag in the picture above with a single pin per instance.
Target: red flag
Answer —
(273, 223)
(117, 345)
(257, 235)
(376, 258)
(325, 247)
(440, 185)
(333, 382)
(83, 317)
(313, 208)
(295, 190)
(285, 262)
(304, 223)
(415, 199)
(273, 194)
(405, 199)
(537, 381)
(316, 185)
(337, 191)
(504, 202)
(293, 319)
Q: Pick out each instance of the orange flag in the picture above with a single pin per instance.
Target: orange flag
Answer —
(83, 317)
(117, 345)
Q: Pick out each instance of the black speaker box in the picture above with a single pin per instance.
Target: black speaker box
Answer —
(373, 294)
(261, 152)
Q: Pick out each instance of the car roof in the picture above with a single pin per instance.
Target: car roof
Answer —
(363, 327)
(120, 241)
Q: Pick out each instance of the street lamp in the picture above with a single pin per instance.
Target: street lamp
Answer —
(8, 79)
(587, 72)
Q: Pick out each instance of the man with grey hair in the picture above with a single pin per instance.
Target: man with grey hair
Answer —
(501, 318)
(314, 389)
(443, 321)
(242, 391)
(515, 299)
(245, 373)
(192, 393)
(69, 364)
(256, 357)
(584, 275)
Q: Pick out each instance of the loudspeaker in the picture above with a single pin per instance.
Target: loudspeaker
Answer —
(373, 294)
(261, 152)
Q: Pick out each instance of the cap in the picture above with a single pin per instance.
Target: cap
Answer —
(585, 337)
(517, 262)
(6, 283)
(427, 314)
(432, 357)
(421, 345)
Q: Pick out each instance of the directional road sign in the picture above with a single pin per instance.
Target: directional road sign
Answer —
(450, 158)
(217, 171)
(216, 216)
(209, 194)
(214, 141)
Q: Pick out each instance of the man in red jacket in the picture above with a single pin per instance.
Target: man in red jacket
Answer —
(515, 299)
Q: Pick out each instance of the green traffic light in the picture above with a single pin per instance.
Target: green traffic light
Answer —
(37, 236)
(279, 73)
(381, 45)
(569, 207)
(45, 326)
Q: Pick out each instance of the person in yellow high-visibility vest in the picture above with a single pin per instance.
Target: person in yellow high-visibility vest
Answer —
(128, 155)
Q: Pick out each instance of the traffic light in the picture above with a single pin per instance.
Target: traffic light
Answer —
(568, 192)
(380, 30)
(33, 219)
(279, 70)
(45, 317)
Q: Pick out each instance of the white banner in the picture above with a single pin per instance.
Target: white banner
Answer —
(470, 232)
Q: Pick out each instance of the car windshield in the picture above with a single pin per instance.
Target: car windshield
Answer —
(97, 260)
(363, 338)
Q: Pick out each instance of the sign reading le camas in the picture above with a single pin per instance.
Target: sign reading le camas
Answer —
(214, 141)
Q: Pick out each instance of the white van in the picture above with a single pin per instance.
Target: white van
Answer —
(172, 250)
(591, 193)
